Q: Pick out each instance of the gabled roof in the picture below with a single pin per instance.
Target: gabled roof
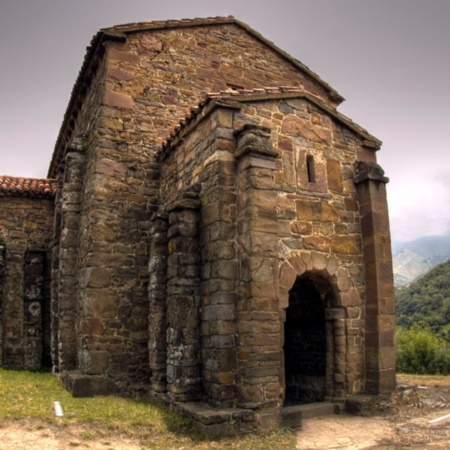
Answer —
(27, 187)
(233, 98)
(185, 23)
(120, 32)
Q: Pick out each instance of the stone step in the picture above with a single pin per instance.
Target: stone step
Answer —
(293, 415)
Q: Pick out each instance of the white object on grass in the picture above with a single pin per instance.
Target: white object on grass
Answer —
(58, 409)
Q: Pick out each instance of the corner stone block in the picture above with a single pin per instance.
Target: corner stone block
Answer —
(87, 385)
(117, 100)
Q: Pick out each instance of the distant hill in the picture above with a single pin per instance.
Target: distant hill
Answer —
(428, 299)
(414, 258)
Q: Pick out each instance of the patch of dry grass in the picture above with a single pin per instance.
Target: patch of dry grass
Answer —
(30, 396)
(423, 380)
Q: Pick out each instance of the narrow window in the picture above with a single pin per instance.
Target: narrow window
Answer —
(234, 87)
(311, 169)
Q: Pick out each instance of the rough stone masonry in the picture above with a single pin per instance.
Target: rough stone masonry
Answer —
(212, 232)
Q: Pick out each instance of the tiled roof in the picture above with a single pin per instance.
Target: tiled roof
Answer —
(33, 187)
(266, 93)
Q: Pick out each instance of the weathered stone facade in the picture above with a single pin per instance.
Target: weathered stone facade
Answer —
(26, 217)
(229, 249)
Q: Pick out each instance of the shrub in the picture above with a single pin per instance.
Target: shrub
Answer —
(421, 351)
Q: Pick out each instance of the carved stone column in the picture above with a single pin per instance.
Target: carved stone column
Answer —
(380, 303)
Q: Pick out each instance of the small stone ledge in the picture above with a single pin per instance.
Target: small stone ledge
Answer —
(215, 422)
(368, 405)
(87, 385)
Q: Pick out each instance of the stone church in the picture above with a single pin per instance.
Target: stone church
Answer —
(212, 232)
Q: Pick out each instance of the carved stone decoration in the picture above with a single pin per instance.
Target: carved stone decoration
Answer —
(369, 171)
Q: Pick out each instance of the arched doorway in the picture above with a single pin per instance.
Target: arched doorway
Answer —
(308, 341)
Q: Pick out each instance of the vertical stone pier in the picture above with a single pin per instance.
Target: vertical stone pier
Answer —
(157, 303)
(54, 303)
(258, 315)
(380, 302)
(183, 300)
(219, 272)
(68, 270)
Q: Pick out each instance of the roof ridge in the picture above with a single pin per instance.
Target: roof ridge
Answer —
(137, 26)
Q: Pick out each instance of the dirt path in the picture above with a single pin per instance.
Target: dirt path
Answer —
(338, 432)
(358, 433)
(343, 432)
(405, 426)
(36, 435)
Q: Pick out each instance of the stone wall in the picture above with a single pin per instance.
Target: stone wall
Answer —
(145, 82)
(181, 231)
(274, 174)
(25, 244)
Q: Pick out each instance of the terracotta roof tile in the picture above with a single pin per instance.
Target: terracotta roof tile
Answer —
(34, 187)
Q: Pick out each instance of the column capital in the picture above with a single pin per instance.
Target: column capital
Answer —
(255, 140)
(365, 170)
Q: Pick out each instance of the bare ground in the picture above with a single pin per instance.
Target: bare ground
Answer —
(406, 425)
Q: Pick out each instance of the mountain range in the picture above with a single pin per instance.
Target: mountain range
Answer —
(413, 259)
(427, 300)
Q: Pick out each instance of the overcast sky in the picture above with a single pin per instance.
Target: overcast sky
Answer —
(390, 59)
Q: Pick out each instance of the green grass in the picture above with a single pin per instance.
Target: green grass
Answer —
(30, 395)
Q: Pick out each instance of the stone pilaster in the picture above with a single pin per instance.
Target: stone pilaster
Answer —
(219, 278)
(258, 314)
(183, 301)
(67, 289)
(379, 285)
(157, 302)
(55, 271)
(34, 305)
(336, 350)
